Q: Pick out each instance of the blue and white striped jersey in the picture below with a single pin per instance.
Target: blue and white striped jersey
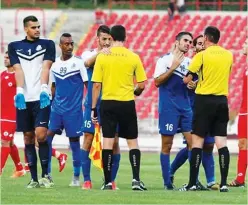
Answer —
(173, 90)
(30, 55)
(69, 77)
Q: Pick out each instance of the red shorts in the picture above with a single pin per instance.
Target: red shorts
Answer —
(242, 126)
(8, 129)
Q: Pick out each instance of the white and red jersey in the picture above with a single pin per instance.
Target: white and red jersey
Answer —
(8, 91)
(243, 109)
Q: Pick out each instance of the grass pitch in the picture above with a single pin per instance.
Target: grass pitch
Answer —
(13, 191)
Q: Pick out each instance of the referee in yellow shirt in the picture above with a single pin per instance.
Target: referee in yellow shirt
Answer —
(114, 75)
(213, 66)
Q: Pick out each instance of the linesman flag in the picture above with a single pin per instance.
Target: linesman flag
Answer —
(96, 149)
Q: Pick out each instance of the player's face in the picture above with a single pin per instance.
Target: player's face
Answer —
(185, 43)
(245, 47)
(32, 29)
(6, 61)
(199, 45)
(104, 40)
(67, 45)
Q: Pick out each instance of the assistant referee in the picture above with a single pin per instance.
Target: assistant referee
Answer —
(213, 65)
(114, 75)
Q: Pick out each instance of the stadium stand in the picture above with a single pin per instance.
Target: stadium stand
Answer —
(152, 36)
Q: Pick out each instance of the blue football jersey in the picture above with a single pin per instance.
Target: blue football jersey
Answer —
(30, 55)
(173, 92)
(69, 77)
(88, 99)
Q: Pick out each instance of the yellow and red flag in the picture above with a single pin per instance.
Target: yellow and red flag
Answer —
(96, 149)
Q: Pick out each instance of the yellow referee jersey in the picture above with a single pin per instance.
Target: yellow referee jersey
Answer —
(213, 66)
(116, 72)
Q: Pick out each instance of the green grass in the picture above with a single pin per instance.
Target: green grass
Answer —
(13, 191)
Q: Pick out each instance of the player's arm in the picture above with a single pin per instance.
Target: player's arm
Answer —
(84, 74)
(89, 62)
(20, 78)
(97, 86)
(15, 62)
(160, 74)
(194, 68)
(48, 60)
(53, 88)
(140, 75)
(97, 81)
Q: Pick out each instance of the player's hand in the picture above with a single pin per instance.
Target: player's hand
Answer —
(44, 100)
(105, 51)
(94, 117)
(44, 96)
(178, 57)
(191, 85)
(20, 103)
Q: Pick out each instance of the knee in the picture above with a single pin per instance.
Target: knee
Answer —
(29, 138)
(208, 148)
(242, 144)
(166, 148)
(116, 147)
(88, 138)
(41, 134)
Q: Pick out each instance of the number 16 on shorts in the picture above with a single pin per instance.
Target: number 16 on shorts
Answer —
(168, 129)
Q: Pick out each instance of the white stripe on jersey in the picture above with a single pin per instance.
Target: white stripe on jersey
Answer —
(32, 56)
(5, 120)
(242, 114)
(66, 76)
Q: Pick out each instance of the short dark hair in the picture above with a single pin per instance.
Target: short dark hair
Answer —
(67, 35)
(118, 33)
(103, 29)
(181, 34)
(195, 40)
(29, 18)
(212, 33)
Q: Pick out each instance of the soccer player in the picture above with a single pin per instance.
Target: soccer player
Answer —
(8, 119)
(207, 155)
(113, 74)
(70, 78)
(210, 113)
(242, 132)
(89, 57)
(174, 102)
(32, 58)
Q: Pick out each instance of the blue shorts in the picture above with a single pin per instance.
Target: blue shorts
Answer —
(27, 120)
(207, 140)
(171, 120)
(88, 126)
(72, 123)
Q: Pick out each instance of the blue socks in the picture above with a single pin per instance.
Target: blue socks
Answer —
(165, 165)
(115, 166)
(49, 141)
(86, 164)
(32, 160)
(76, 157)
(208, 164)
(44, 157)
(179, 160)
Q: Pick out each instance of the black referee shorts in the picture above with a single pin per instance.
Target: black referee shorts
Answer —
(210, 115)
(121, 113)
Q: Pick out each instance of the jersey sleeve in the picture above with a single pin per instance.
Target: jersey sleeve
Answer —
(98, 71)
(13, 55)
(83, 71)
(196, 63)
(50, 53)
(140, 73)
(161, 67)
(85, 55)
